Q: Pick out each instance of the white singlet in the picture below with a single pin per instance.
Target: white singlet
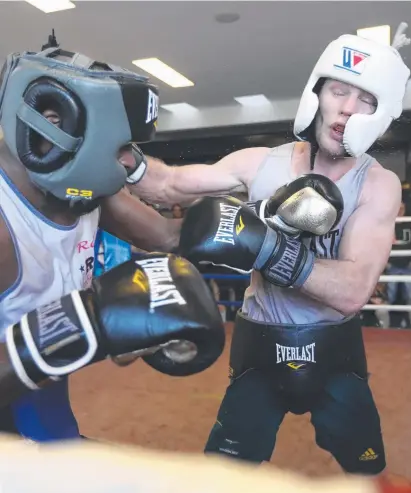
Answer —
(52, 259)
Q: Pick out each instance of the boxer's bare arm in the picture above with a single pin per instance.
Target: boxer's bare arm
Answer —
(174, 184)
(126, 217)
(347, 284)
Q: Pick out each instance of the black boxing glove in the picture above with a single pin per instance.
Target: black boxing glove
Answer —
(226, 232)
(158, 307)
(311, 203)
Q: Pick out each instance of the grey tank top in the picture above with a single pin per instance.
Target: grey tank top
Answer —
(264, 302)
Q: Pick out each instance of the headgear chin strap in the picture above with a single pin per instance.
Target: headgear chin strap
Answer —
(370, 66)
(101, 108)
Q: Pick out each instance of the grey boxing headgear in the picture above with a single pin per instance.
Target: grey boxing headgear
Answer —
(102, 108)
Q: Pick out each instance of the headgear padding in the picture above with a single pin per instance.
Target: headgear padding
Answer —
(375, 68)
(101, 107)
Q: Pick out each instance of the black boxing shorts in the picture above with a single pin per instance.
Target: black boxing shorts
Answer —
(299, 358)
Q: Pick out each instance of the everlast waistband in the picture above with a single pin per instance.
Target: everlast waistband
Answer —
(298, 357)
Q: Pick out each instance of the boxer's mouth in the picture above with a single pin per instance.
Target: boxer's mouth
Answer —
(338, 127)
(337, 131)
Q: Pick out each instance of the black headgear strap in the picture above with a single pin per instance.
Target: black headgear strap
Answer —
(313, 153)
(51, 43)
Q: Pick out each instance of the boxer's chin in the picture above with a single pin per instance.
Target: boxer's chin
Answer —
(82, 208)
(79, 208)
(332, 148)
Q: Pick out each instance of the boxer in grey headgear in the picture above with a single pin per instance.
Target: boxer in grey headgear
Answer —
(70, 125)
(101, 107)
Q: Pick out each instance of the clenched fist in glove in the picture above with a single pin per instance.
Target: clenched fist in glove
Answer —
(158, 307)
(311, 203)
(227, 232)
(224, 231)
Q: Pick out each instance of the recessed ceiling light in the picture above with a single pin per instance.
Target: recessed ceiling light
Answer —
(163, 72)
(227, 18)
(48, 6)
(380, 34)
(180, 108)
(253, 100)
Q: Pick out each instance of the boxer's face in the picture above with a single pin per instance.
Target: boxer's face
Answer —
(177, 211)
(54, 118)
(338, 101)
(125, 155)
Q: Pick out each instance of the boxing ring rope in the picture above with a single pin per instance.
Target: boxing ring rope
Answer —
(238, 277)
(383, 278)
(403, 219)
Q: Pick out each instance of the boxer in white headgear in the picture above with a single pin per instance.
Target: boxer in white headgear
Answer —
(315, 255)
(351, 64)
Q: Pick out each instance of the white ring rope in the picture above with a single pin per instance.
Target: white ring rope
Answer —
(403, 219)
(395, 278)
(392, 278)
(400, 253)
(389, 308)
(398, 278)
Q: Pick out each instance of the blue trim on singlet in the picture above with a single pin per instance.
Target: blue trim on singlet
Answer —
(16, 283)
(42, 415)
(32, 209)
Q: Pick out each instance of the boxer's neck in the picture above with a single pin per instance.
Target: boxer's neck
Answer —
(52, 210)
(333, 168)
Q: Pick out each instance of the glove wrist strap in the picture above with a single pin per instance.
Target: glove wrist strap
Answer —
(141, 166)
(268, 249)
(284, 261)
(259, 208)
(52, 341)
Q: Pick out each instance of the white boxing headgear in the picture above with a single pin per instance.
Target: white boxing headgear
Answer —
(375, 68)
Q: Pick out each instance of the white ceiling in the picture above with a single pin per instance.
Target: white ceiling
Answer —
(271, 49)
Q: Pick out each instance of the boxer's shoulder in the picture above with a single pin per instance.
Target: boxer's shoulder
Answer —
(260, 157)
(248, 160)
(245, 163)
(381, 184)
(9, 270)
